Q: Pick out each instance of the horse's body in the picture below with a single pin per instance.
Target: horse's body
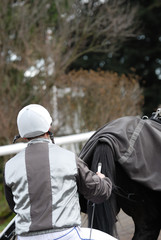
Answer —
(130, 151)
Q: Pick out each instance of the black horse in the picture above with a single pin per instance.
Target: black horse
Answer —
(129, 149)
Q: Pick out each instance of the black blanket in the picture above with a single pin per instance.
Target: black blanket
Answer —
(136, 144)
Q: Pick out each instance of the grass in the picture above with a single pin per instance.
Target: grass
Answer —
(6, 222)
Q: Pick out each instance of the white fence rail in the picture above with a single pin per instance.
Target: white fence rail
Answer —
(76, 138)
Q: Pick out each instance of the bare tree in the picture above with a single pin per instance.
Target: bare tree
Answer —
(91, 27)
(23, 26)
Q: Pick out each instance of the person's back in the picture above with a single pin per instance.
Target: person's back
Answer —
(41, 185)
(48, 190)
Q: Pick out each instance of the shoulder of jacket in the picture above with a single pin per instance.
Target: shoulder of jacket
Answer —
(61, 149)
(16, 157)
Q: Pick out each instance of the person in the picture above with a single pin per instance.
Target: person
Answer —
(42, 182)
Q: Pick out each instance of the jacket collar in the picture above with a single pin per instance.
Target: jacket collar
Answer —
(39, 140)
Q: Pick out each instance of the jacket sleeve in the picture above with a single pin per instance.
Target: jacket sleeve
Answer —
(8, 194)
(90, 185)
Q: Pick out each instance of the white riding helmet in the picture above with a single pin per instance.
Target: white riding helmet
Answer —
(33, 120)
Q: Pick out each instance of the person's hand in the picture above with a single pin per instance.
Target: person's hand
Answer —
(100, 175)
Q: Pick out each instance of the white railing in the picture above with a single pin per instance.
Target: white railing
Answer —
(76, 138)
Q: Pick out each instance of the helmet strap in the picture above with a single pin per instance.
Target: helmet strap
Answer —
(51, 136)
(15, 138)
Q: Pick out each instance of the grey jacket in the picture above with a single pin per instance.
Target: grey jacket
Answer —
(42, 184)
